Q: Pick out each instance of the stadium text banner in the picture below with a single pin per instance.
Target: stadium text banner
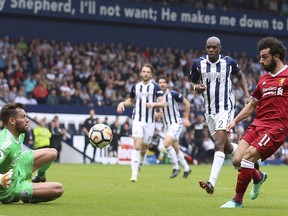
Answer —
(148, 14)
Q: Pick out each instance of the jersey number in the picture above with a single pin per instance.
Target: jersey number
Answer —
(264, 140)
(220, 124)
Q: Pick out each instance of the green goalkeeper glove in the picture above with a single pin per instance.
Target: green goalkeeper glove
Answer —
(5, 179)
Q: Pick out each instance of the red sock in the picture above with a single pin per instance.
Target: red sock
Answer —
(243, 180)
(256, 176)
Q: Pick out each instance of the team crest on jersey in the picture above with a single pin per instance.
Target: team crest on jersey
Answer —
(281, 82)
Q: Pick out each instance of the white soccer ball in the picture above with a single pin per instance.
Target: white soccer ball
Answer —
(100, 135)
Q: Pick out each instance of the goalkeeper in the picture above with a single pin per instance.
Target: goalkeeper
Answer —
(17, 166)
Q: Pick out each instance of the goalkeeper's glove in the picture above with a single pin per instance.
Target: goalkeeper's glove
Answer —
(5, 179)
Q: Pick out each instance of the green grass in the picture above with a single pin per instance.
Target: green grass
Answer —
(105, 190)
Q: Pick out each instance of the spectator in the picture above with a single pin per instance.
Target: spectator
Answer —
(115, 127)
(21, 45)
(29, 138)
(29, 83)
(13, 94)
(58, 134)
(52, 98)
(30, 100)
(42, 135)
(64, 98)
(208, 147)
(88, 123)
(198, 135)
(40, 92)
(84, 96)
(20, 98)
(125, 130)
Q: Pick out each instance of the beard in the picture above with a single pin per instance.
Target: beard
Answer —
(20, 128)
(271, 66)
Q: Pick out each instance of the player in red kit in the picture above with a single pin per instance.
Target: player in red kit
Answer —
(269, 128)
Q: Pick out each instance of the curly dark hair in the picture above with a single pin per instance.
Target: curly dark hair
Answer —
(276, 46)
(10, 110)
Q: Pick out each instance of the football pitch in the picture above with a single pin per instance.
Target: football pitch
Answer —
(96, 189)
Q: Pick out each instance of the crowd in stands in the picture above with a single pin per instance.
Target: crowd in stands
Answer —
(264, 6)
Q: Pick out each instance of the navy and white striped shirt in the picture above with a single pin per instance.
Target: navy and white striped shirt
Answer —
(171, 112)
(218, 95)
(144, 94)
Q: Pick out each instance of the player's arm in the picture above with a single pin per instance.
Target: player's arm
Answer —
(128, 102)
(121, 106)
(159, 104)
(247, 111)
(186, 113)
(243, 85)
(194, 78)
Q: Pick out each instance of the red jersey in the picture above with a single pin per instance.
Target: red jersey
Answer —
(272, 93)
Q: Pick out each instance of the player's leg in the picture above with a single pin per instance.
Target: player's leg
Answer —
(43, 158)
(137, 134)
(168, 141)
(245, 175)
(94, 154)
(85, 148)
(46, 191)
(217, 125)
(219, 156)
(181, 159)
(238, 155)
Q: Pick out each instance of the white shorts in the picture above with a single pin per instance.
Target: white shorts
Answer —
(143, 130)
(219, 121)
(174, 130)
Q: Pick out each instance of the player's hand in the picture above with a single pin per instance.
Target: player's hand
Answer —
(186, 123)
(5, 179)
(230, 126)
(199, 88)
(149, 105)
(121, 107)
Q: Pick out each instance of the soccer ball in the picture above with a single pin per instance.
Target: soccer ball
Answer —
(100, 135)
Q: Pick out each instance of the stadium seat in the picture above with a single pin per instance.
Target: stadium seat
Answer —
(72, 129)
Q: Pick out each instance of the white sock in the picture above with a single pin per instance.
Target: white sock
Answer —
(218, 161)
(182, 161)
(135, 161)
(173, 157)
(247, 164)
(235, 146)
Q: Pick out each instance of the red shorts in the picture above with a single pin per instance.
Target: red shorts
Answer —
(267, 140)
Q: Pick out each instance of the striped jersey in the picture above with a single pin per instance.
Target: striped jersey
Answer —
(216, 76)
(171, 112)
(143, 94)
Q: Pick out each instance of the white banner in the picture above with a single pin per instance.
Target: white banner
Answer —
(125, 147)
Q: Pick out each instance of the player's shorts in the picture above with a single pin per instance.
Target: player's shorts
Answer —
(267, 140)
(143, 130)
(174, 130)
(219, 121)
(21, 188)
